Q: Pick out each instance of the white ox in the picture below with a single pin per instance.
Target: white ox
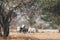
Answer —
(32, 30)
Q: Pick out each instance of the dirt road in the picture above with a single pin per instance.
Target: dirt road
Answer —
(33, 36)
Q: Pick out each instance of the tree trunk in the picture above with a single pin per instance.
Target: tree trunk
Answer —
(0, 32)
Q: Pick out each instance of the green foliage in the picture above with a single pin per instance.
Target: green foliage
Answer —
(51, 8)
(48, 8)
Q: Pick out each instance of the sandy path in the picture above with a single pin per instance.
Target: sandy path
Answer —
(33, 36)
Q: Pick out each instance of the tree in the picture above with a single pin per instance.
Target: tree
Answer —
(6, 16)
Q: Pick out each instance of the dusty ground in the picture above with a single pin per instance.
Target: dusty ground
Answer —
(33, 36)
